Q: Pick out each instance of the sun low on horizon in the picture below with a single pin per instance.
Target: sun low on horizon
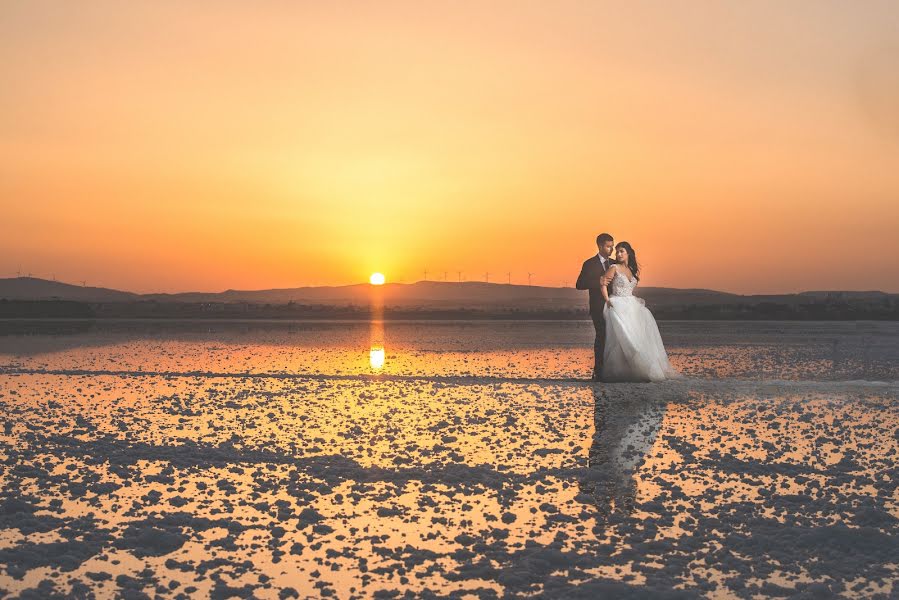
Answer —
(167, 147)
(377, 279)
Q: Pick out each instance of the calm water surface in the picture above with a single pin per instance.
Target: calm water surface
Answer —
(521, 349)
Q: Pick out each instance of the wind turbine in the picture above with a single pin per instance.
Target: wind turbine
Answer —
(487, 277)
(459, 273)
(509, 277)
(83, 283)
(426, 274)
(444, 275)
(529, 277)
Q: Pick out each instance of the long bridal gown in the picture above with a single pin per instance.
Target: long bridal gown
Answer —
(634, 349)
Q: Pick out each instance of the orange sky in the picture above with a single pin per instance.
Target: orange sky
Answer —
(747, 147)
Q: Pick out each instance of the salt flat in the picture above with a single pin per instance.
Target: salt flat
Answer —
(443, 459)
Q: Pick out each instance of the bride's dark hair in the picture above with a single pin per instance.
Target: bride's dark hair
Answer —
(631, 258)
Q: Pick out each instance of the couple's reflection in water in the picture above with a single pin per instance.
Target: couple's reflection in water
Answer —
(626, 426)
(626, 422)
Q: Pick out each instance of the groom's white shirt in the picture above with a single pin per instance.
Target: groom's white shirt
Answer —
(603, 261)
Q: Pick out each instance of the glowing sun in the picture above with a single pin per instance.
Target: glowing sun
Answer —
(376, 279)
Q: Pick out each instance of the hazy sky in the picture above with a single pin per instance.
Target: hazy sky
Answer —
(170, 146)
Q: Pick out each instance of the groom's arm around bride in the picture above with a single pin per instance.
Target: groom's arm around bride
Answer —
(593, 273)
(592, 279)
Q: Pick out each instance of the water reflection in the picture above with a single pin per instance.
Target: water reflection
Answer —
(625, 432)
(519, 349)
(376, 328)
(334, 485)
(376, 345)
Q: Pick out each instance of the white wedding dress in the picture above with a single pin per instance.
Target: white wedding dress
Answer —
(634, 349)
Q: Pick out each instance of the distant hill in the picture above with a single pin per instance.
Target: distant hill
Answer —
(33, 288)
(444, 297)
(438, 294)
(423, 294)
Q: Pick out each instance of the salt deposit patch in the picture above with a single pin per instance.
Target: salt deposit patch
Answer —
(269, 486)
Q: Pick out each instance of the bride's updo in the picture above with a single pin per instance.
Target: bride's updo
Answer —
(631, 258)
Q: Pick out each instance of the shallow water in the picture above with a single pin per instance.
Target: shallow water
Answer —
(500, 349)
(266, 459)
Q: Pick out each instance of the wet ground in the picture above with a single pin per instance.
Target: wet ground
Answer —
(276, 460)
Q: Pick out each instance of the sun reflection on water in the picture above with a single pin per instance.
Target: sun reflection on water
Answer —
(376, 345)
(376, 358)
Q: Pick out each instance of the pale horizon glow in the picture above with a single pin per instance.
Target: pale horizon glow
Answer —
(742, 147)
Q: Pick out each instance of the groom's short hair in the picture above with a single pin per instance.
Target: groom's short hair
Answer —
(602, 238)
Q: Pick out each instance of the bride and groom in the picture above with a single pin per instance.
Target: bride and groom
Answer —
(628, 346)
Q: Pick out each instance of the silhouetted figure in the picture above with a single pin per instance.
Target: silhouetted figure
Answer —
(592, 279)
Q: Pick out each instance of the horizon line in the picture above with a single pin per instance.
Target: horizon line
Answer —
(499, 284)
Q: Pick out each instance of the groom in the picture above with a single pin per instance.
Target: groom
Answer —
(592, 278)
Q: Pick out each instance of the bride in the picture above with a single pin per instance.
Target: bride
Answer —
(634, 349)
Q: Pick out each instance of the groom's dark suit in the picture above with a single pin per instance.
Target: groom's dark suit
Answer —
(590, 280)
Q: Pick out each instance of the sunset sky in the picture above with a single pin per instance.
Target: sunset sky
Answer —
(169, 146)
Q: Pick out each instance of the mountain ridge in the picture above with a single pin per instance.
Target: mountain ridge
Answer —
(437, 294)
